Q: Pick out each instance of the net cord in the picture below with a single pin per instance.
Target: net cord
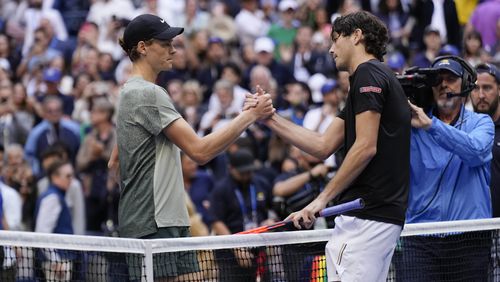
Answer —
(123, 245)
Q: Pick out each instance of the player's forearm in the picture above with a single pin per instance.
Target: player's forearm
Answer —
(220, 228)
(83, 157)
(217, 141)
(291, 185)
(113, 159)
(357, 159)
(305, 139)
(5, 224)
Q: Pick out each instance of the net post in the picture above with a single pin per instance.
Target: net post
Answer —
(148, 261)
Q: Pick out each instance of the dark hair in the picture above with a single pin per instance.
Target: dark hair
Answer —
(58, 149)
(301, 84)
(132, 52)
(384, 9)
(374, 31)
(53, 169)
(79, 76)
(234, 67)
(473, 35)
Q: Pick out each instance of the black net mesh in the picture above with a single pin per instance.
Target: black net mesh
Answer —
(36, 264)
(466, 256)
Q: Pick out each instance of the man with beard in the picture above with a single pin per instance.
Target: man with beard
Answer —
(449, 179)
(485, 100)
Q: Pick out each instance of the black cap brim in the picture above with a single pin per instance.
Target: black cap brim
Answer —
(247, 168)
(169, 33)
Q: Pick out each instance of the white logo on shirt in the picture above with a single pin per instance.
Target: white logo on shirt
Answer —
(162, 21)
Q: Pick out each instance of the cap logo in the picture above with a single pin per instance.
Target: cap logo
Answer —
(444, 62)
(162, 21)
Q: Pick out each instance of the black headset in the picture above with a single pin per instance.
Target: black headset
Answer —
(469, 75)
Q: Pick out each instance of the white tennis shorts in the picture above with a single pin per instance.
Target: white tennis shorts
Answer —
(360, 249)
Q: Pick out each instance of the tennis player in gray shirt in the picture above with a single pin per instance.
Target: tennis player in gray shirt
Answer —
(150, 135)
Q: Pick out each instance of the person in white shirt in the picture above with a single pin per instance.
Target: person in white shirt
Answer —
(232, 73)
(320, 118)
(250, 14)
(218, 117)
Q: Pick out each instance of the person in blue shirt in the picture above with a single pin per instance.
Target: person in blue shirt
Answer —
(198, 184)
(53, 129)
(450, 155)
(52, 215)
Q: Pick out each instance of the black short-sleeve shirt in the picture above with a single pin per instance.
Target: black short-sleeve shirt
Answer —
(384, 183)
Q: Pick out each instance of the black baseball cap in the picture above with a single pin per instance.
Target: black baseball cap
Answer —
(146, 27)
(243, 161)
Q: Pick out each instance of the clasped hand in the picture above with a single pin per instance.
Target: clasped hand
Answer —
(260, 103)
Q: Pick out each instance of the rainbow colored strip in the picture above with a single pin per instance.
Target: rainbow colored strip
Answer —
(318, 272)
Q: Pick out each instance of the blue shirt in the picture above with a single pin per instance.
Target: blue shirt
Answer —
(450, 170)
(63, 224)
(43, 135)
(201, 186)
(421, 60)
(68, 103)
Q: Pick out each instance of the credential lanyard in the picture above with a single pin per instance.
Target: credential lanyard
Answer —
(253, 199)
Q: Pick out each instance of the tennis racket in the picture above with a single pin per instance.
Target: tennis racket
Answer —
(338, 209)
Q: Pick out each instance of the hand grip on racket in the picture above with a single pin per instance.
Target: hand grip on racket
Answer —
(338, 209)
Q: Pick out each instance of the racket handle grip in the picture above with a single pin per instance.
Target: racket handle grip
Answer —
(342, 208)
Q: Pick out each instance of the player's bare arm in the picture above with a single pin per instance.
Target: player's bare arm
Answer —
(311, 142)
(203, 149)
(356, 160)
(314, 143)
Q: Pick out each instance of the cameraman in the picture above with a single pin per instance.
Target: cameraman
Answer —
(449, 179)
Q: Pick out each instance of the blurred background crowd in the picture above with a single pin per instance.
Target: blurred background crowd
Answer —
(61, 70)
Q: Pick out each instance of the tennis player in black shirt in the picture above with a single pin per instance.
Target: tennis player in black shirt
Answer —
(374, 128)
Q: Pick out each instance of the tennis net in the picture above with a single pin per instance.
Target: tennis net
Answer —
(444, 251)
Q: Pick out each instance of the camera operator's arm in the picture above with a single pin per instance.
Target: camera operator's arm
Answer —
(472, 147)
